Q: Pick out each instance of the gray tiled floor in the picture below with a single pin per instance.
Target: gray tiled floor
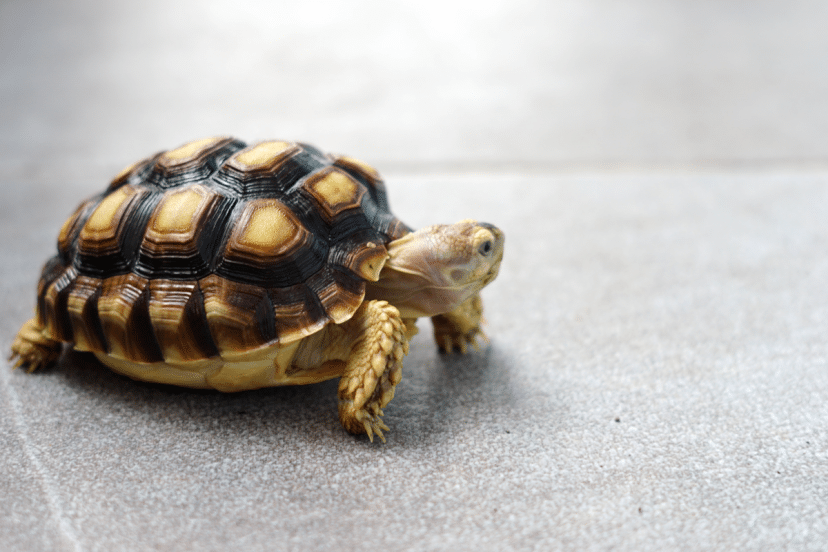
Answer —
(657, 375)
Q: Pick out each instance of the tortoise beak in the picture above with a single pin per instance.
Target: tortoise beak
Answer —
(497, 251)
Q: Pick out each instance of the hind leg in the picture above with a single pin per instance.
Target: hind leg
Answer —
(32, 348)
(374, 368)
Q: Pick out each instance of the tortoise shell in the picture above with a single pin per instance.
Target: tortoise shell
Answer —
(214, 247)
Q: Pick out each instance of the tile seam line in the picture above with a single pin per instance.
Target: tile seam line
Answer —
(47, 483)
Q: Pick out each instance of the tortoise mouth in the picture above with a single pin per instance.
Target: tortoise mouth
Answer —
(492, 248)
(493, 272)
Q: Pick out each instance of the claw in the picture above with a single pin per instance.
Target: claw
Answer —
(14, 356)
(375, 426)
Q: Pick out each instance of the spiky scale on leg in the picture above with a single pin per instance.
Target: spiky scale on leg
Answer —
(373, 369)
(32, 349)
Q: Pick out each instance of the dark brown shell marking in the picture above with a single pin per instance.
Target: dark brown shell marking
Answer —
(214, 247)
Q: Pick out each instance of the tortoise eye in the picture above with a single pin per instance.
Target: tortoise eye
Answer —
(485, 248)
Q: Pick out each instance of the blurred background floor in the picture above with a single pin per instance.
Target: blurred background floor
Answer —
(657, 375)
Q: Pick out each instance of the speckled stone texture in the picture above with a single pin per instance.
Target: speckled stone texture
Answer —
(657, 377)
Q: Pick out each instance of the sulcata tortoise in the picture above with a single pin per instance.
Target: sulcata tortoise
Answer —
(234, 267)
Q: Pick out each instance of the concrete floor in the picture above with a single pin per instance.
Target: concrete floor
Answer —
(657, 377)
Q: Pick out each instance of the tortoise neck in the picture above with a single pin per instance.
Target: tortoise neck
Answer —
(412, 278)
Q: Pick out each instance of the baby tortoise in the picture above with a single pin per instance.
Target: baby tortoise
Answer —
(227, 266)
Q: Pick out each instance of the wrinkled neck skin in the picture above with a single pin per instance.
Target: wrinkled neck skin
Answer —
(433, 270)
(413, 294)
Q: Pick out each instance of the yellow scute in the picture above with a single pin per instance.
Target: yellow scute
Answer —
(361, 164)
(191, 149)
(336, 188)
(177, 212)
(125, 171)
(103, 218)
(268, 228)
(262, 154)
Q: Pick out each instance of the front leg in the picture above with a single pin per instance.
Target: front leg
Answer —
(374, 367)
(457, 329)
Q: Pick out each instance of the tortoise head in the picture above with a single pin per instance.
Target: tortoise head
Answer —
(433, 270)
